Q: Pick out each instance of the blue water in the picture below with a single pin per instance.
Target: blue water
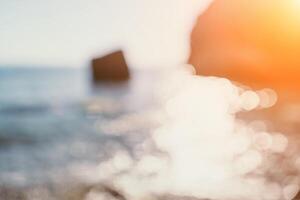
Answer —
(47, 125)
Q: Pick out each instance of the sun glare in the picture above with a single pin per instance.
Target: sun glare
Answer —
(297, 3)
(292, 10)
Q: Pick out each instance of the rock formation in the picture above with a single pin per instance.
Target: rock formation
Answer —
(112, 67)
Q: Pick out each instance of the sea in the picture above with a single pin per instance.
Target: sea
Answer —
(58, 129)
(54, 119)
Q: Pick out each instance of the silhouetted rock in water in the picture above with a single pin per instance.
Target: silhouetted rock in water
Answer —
(111, 67)
(253, 42)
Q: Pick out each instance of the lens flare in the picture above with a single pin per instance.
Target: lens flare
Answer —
(201, 149)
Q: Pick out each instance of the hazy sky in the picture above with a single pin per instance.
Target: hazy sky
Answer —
(70, 32)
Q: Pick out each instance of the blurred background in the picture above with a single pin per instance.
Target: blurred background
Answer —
(53, 118)
(82, 81)
(69, 33)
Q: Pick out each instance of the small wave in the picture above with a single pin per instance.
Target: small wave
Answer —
(24, 109)
(11, 140)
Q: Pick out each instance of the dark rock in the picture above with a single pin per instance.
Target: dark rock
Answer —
(112, 67)
(253, 42)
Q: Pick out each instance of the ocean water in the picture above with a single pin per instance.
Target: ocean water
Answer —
(61, 135)
(52, 119)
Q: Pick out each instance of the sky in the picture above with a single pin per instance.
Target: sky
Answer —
(153, 33)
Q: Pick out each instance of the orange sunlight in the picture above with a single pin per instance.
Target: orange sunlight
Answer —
(252, 42)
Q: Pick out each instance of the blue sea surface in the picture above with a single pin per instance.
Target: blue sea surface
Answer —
(50, 118)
